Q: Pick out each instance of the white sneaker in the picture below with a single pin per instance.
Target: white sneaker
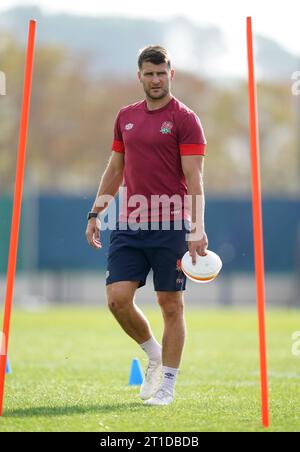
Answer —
(161, 397)
(152, 380)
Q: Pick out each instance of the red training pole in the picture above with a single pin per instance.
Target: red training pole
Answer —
(14, 234)
(257, 226)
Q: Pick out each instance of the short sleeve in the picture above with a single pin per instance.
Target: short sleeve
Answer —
(191, 136)
(118, 145)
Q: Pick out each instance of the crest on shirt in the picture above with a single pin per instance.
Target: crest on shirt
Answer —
(129, 126)
(166, 127)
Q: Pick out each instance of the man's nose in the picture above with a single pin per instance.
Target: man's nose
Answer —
(155, 79)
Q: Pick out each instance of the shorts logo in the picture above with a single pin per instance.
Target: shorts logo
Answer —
(107, 274)
(169, 375)
(166, 127)
(179, 279)
(129, 126)
(178, 265)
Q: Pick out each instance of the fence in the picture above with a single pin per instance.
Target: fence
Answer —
(54, 257)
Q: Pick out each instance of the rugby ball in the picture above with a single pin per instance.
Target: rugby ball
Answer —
(206, 268)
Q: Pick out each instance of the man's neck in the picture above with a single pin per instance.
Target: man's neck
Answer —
(155, 104)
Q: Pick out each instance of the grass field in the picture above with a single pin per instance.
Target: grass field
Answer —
(71, 368)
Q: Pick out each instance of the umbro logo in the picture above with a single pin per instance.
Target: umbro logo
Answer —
(169, 375)
(129, 126)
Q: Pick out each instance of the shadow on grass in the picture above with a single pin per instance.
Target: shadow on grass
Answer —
(47, 411)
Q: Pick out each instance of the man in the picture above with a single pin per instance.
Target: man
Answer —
(158, 149)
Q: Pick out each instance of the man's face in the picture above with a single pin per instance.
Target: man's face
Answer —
(156, 79)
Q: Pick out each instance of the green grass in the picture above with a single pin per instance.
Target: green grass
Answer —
(71, 368)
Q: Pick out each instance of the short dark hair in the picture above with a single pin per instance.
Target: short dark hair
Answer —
(154, 54)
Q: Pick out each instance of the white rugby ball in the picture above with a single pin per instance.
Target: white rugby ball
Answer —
(206, 268)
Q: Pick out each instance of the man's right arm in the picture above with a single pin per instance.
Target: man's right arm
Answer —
(111, 180)
(109, 185)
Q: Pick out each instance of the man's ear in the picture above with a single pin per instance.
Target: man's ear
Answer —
(172, 73)
(139, 75)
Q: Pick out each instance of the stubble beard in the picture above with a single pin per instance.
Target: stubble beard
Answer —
(164, 93)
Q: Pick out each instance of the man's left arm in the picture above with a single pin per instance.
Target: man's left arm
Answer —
(193, 166)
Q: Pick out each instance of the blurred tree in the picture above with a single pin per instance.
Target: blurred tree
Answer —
(72, 116)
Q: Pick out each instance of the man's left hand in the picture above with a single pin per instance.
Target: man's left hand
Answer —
(198, 247)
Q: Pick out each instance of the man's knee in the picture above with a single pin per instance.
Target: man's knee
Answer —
(172, 304)
(118, 299)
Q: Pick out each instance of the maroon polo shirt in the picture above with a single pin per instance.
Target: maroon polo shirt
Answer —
(153, 142)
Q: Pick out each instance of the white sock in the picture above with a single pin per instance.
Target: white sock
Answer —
(153, 349)
(169, 378)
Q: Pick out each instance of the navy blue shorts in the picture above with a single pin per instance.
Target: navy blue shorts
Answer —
(132, 254)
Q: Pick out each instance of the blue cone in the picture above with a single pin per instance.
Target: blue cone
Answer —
(136, 373)
(8, 368)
